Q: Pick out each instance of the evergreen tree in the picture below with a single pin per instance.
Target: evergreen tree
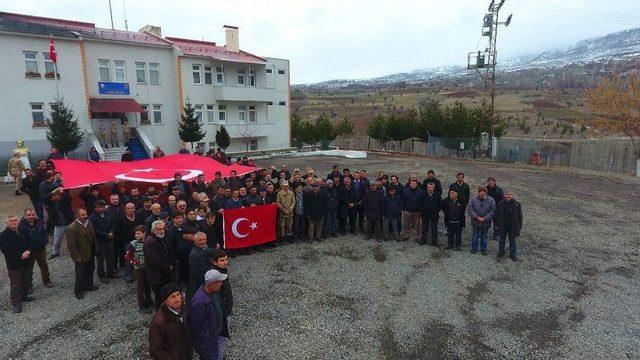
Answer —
(223, 139)
(296, 130)
(344, 128)
(63, 130)
(324, 130)
(377, 129)
(190, 128)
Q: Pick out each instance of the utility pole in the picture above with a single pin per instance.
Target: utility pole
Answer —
(485, 62)
(111, 15)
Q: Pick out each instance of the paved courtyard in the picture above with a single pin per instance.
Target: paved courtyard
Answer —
(572, 294)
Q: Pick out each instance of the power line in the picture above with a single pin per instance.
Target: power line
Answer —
(522, 8)
(565, 9)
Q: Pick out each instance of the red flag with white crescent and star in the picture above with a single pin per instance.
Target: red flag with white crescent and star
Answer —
(249, 226)
(52, 52)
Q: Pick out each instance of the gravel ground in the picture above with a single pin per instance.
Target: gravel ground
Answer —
(573, 294)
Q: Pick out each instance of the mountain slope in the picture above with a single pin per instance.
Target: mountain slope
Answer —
(621, 50)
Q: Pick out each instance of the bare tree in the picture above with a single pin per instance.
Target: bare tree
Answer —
(247, 133)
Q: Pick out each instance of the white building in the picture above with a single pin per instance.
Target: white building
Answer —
(108, 75)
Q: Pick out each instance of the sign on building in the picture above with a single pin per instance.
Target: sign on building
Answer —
(113, 88)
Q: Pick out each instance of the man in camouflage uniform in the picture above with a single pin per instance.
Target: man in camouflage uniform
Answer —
(114, 134)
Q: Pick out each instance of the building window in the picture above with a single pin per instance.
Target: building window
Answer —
(252, 114)
(219, 75)
(252, 78)
(154, 74)
(241, 75)
(141, 72)
(269, 102)
(282, 103)
(210, 114)
(49, 66)
(37, 114)
(31, 62)
(157, 113)
(208, 75)
(253, 144)
(198, 113)
(118, 71)
(104, 68)
(281, 71)
(196, 73)
(269, 71)
(242, 113)
(222, 113)
(144, 115)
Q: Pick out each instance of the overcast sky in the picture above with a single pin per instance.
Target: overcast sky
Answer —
(334, 39)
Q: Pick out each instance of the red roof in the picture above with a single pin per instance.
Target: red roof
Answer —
(46, 21)
(114, 105)
(209, 49)
(89, 30)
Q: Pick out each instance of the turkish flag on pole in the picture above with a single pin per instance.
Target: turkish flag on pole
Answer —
(52, 52)
(249, 226)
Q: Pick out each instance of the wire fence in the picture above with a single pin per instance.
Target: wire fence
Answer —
(608, 155)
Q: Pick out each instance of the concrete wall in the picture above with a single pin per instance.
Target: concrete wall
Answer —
(18, 91)
(272, 126)
(166, 93)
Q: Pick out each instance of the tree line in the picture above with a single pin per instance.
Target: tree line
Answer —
(321, 130)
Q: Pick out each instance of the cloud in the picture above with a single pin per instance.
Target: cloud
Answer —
(357, 38)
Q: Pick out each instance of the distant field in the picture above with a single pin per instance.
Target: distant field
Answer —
(528, 112)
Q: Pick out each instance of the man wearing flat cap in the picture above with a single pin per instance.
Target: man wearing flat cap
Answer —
(286, 201)
(169, 335)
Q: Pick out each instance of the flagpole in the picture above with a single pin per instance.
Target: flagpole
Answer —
(55, 65)
(55, 76)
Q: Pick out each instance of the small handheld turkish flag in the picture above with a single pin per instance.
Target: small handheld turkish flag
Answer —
(249, 226)
(52, 52)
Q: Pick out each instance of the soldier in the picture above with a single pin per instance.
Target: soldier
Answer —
(114, 134)
(16, 167)
(103, 134)
(126, 130)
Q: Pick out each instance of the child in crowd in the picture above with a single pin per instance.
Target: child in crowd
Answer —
(135, 255)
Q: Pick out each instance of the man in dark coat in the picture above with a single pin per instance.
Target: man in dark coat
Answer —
(361, 186)
(103, 226)
(90, 195)
(373, 203)
(497, 194)
(83, 246)
(314, 210)
(169, 335)
(392, 214)
(34, 230)
(158, 260)
(464, 194)
(115, 211)
(331, 203)
(31, 187)
(184, 187)
(199, 263)
(208, 321)
(220, 262)
(17, 251)
(60, 214)
(431, 178)
(430, 211)
(124, 233)
(453, 211)
(508, 221)
(347, 208)
(411, 210)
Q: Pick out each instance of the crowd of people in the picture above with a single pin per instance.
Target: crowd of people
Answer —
(168, 239)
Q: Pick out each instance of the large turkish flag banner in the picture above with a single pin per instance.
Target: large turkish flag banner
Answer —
(76, 173)
(249, 226)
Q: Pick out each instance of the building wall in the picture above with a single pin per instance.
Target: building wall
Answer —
(165, 93)
(271, 129)
(18, 91)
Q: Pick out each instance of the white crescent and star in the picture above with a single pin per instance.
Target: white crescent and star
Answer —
(234, 227)
(191, 173)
